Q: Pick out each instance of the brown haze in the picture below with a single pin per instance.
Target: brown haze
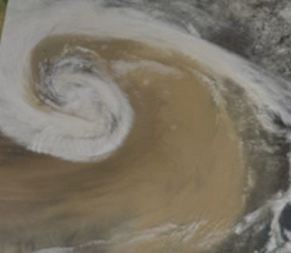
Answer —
(180, 165)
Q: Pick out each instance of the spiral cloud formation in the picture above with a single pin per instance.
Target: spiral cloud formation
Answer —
(71, 108)
(63, 100)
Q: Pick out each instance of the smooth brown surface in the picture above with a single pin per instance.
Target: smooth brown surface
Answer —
(181, 165)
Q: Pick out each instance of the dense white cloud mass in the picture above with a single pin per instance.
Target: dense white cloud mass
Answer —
(89, 117)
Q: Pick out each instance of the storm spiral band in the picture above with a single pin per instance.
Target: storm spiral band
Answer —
(70, 109)
(73, 109)
(65, 103)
